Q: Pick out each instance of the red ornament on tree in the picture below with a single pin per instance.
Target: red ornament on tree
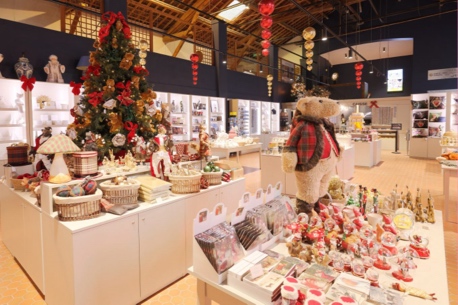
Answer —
(194, 59)
(266, 7)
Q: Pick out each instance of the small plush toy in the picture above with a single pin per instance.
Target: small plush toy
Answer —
(311, 150)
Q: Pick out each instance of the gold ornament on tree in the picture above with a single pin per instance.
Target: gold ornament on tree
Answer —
(308, 34)
(270, 78)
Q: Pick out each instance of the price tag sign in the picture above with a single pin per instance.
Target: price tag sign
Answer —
(396, 126)
(256, 271)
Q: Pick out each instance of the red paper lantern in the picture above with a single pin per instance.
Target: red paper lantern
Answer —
(266, 34)
(358, 87)
(265, 52)
(358, 78)
(195, 73)
(194, 58)
(359, 66)
(358, 83)
(265, 44)
(194, 78)
(266, 7)
(194, 66)
(359, 73)
(194, 83)
(266, 22)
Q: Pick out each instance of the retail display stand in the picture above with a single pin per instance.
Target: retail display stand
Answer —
(205, 220)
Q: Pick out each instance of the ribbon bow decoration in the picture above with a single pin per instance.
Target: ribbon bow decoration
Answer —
(111, 18)
(95, 98)
(131, 127)
(27, 83)
(76, 87)
(373, 104)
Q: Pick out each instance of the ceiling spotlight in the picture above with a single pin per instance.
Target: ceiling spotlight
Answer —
(224, 61)
(324, 34)
(350, 53)
(346, 56)
(260, 69)
(384, 50)
(371, 71)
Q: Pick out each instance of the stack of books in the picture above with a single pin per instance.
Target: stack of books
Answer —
(153, 189)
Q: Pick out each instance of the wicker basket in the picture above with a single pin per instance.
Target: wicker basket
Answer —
(17, 184)
(213, 178)
(120, 194)
(186, 184)
(78, 208)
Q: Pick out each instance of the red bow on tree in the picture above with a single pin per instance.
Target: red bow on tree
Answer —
(111, 18)
(27, 83)
(76, 87)
(140, 70)
(131, 127)
(95, 98)
(94, 70)
(120, 85)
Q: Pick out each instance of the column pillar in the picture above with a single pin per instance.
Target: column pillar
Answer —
(273, 64)
(115, 6)
(219, 29)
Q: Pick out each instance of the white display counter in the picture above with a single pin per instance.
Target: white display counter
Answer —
(224, 152)
(368, 154)
(110, 259)
(434, 267)
(272, 172)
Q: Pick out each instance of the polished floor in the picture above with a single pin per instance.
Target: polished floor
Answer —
(16, 288)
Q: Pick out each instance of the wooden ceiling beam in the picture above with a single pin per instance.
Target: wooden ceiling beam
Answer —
(180, 45)
(188, 15)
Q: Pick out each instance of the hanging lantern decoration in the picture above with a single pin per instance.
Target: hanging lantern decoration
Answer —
(143, 45)
(358, 73)
(308, 34)
(266, 8)
(194, 59)
(270, 78)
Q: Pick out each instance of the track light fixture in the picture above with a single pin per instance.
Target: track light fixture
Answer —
(260, 68)
(371, 71)
(224, 61)
(324, 34)
(383, 49)
(350, 53)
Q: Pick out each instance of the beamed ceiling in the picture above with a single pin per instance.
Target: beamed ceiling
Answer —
(191, 19)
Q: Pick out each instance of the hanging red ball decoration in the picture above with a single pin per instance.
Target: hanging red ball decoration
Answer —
(194, 59)
(359, 73)
(358, 78)
(266, 22)
(266, 7)
(265, 44)
(266, 34)
(265, 52)
(358, 87)
(359, 66)
(358, 83)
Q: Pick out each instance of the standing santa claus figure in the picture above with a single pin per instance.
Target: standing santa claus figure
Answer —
(54, 70)
(41, 161)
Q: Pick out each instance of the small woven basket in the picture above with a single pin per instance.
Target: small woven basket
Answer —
(78, 208)
(213, 178)
(120, 194)
(186, 184)
(17, 184)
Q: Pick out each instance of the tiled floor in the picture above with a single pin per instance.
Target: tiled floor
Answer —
(15, 288)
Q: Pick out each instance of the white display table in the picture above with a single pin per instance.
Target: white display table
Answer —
(110, 259)
(272, 173)
(224, 152)
(447, 173)
(434, 267)
(368, 154)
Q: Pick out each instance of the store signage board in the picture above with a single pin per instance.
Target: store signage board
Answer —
(443, 73)
(396, 126)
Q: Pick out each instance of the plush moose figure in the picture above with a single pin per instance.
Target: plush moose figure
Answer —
(312, 150)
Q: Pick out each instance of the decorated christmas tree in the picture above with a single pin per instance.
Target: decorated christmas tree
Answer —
(117, 103)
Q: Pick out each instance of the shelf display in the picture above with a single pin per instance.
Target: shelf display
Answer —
(199, 115)
(51, 105)
(243, 117)
(13, 119)
(255, 118)
(179, 105)
(454, 112)
(270, 117)
(217, 115)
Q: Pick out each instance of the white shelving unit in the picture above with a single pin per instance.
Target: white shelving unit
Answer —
(255, 118)
(453, 111)
(270, 117)
(56, 114)
(199, 115)
(243, 116)
(13, 106)
(217, 108)
(180, 116)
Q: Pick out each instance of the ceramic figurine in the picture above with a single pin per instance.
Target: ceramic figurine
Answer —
(204, 144)
(23, 67)
(430, 210)
(419, 244)
(161, 162)
(54, 70)
(295, 245)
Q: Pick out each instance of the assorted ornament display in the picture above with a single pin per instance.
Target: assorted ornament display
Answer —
(266, 8)
(308, 34)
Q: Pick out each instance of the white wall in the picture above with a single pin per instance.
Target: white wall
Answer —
(296, 48)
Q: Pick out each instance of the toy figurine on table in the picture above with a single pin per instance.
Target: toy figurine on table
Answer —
(161, 162)
(139, 149)
(90, 143)
(42, 161)
(204, 144)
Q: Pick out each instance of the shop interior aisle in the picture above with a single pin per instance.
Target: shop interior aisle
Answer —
(15, 287)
